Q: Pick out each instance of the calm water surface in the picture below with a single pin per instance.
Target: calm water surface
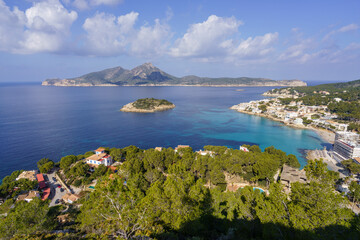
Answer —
(37, 122)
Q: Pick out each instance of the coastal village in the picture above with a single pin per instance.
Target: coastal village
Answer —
(346, 144)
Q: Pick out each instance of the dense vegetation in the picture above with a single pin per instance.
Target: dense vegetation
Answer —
(181, 195)
(11, 187)
(150, 103)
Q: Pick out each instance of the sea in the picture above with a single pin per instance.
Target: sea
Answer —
(44, 121)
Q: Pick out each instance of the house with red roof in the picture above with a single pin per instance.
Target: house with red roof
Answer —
(41, 180)
(46, 194)
(100, 157)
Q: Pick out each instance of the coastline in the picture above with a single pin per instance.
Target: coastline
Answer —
(324, 134)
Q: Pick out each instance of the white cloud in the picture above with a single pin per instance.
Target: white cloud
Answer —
(207, 38)
(11, 27)
(304, 50)
(298, 51)
(41, 28)
(350, 27)
(344, 29)
(109, 35)
(215, 40)
(151, 40)
(81, 4)
(257, 47)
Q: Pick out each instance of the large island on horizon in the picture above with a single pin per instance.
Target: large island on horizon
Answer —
(149, 75)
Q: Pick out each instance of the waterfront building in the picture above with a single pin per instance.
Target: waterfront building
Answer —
(100, 157)
(346, 149)
(347, 136)
(27, 175)
(181, 146)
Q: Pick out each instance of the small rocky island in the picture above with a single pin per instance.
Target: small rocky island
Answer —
(148, 105)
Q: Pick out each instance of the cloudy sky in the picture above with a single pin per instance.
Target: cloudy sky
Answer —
(307, 40)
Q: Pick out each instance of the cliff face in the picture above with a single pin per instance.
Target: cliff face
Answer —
(149, 75)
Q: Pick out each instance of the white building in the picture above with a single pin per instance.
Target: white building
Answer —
(346, 149)
(100, 157)
(205, 152)
(347, 136)
(244, 149)
(298, 121)
(291, 115)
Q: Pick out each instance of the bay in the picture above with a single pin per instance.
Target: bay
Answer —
(38, 121)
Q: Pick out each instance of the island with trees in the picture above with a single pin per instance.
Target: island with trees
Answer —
(167, 193)
(148, 105)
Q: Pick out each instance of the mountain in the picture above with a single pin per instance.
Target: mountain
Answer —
(149, 75)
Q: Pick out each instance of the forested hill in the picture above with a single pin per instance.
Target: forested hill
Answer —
(330, 87)
(168, 194)
(149, 75)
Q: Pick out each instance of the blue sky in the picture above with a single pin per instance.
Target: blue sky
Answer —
(306, 40)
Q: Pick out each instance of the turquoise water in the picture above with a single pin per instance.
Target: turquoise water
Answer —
(258, 189)
(53, 122)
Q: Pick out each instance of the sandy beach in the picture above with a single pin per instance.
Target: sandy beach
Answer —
(326, 135)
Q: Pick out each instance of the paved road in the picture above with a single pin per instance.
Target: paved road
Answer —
(56, 193)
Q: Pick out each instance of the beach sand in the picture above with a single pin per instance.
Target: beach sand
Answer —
(326, 135)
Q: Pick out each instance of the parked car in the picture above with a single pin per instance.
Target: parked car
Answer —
(57, 201)
(61, 189)
(54, 179)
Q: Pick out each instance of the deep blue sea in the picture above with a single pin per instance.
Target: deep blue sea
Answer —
(38, 121)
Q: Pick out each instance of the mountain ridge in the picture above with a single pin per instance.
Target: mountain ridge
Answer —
(149, 75)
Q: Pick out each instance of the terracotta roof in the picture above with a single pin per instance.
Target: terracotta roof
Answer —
(71, 197)
(112, 168)
(357, 159)
(100, 149)
(96, 157)
(183, 146)
(40, 177)
(46, 194)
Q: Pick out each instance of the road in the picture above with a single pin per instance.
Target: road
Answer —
(56, 193)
